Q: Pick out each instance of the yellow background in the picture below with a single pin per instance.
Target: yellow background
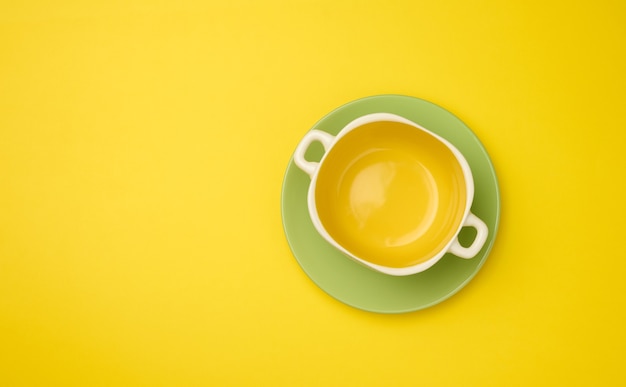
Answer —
(142, 150)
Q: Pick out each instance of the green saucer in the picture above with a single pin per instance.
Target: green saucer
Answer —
(363, 288)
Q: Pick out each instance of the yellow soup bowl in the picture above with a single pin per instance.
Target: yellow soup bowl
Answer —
(390, 194)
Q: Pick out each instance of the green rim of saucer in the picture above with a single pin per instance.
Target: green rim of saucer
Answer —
(363, 288)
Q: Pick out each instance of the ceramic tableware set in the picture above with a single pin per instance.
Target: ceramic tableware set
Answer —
(390, 204)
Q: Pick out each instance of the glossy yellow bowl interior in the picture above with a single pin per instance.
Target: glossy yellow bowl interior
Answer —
(391, 194)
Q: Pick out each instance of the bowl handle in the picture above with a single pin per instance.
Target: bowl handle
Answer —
(481, 237)
(314, 135)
